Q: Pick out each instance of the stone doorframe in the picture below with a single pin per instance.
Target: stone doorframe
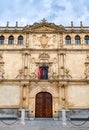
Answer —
(43, 86)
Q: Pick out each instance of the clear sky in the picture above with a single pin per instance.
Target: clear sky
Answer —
(57, 11)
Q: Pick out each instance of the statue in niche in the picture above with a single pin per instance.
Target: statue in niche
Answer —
(44, 40)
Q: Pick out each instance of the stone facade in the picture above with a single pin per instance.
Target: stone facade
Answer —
(24, 49)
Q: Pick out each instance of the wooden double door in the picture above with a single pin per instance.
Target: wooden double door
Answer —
(43, 108)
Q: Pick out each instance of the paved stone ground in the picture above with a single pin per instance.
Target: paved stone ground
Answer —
(43, 125)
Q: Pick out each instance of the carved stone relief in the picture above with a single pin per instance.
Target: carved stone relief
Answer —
(67, 73)
(44, 56)
(44, 39)
(34, 38)
(54, 38)
(87, 67)
(24, 72)
(1, 67)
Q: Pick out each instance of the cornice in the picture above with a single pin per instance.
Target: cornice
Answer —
(33, 49)
(49, 80)
(44, 27)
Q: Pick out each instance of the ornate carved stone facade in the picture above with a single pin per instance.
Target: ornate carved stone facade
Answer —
(44, 58)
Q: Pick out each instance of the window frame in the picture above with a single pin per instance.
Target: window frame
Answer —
(20, 40)
(11, 40)
(77, 40)
(68, 40)
(86, 38)
(2, 38)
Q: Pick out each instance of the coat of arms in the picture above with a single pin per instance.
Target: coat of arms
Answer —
(44, 40)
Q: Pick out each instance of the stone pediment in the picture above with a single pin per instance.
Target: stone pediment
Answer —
(44, 26)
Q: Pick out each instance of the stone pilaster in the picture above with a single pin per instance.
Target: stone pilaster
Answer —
(61, 65)
(24, 96)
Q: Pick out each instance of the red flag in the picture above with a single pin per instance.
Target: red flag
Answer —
(39, 73)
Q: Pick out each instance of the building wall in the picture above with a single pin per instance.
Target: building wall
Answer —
(80, 99)
(67, 77)
(9, 95)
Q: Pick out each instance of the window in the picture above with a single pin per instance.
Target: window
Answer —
(86, 39)
(77, 39)
(11, 40)
(20, 40)
(68, 40)
(1, 39)
(43, 72)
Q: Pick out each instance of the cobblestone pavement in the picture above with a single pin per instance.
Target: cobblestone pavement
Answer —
(43, 125)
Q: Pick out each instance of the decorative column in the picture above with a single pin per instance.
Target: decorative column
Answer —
(26, 64)
(63, 92)
(61, 63)
(58, 57)
(60, 95)
(27, 95)
(21, 96)
(62, 100)
(63, 95)
(24, 72)
(24, 96)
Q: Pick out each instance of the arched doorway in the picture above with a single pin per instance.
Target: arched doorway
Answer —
(43, 102)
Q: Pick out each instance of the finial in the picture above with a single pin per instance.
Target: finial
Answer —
(7, 23)
(81, 24)
(16, 23)
(71, 23)
(44, 20)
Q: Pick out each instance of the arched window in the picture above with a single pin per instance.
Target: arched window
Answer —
(77, 39)
(11, 40)
(2, 39)
(68, 39)
(86, 39)
(20, 40)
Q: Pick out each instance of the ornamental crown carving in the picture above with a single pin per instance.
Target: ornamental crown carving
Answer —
(44, 56)
(44, 26)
